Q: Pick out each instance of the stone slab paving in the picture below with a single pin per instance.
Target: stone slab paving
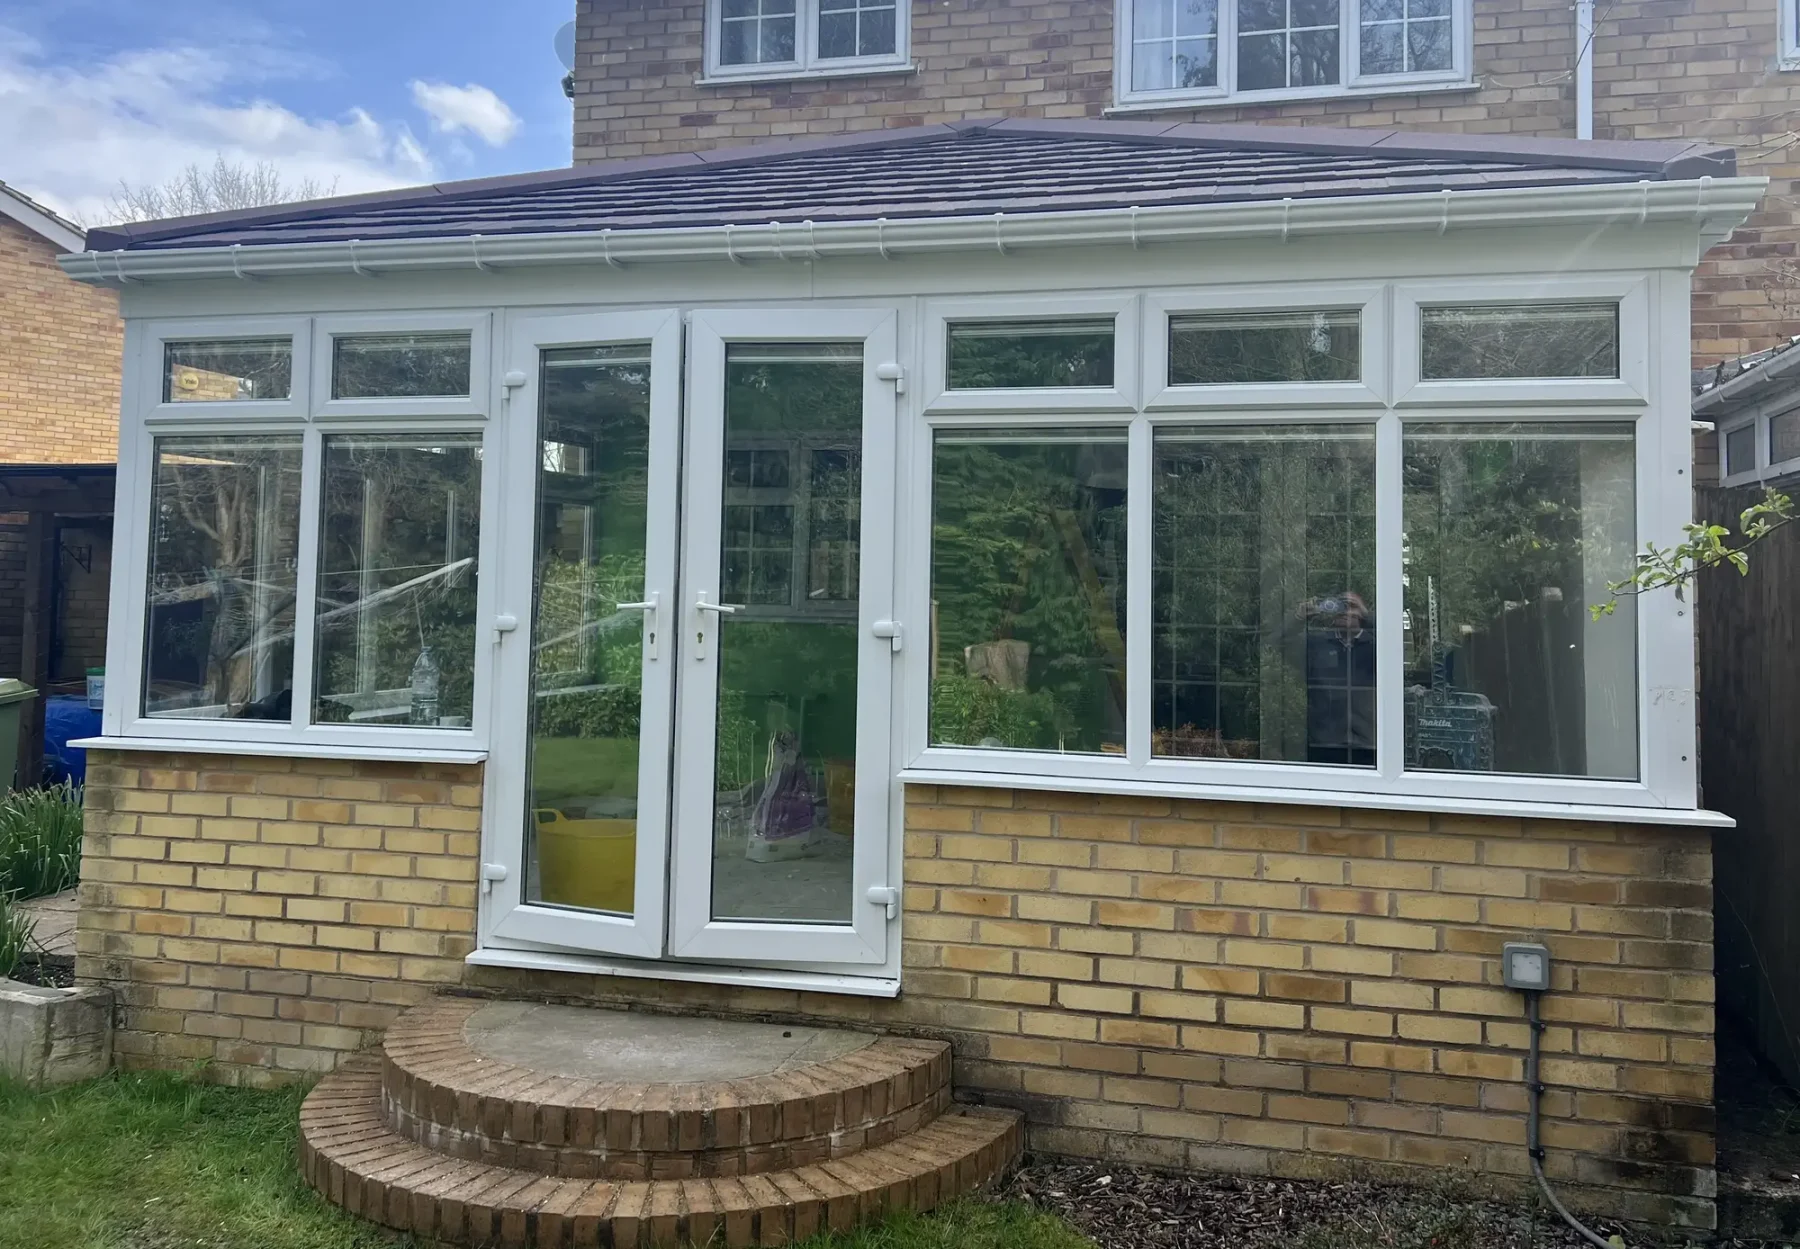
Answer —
(53, 920)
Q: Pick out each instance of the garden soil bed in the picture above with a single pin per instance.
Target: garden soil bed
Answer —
(1124, 1208)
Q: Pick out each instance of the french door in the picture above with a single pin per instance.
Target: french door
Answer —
(695, 668)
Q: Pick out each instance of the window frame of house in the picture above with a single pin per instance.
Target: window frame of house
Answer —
(1352, 81)
(807, 63)
(311, 416)
(1663, 642)
(1121, 396)
(1760, 419)
(1789, 59)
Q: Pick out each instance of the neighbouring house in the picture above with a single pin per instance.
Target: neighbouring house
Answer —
(1108, 595)
(1749, 675)
(60, 343)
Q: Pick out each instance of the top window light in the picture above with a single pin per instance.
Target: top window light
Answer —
(386, 366)
(234, 370)
(1519, 341)
(1030, 354)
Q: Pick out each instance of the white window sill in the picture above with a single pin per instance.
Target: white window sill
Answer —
(1168, 104)
(1319, 798)
(819, 73)
(279, 750)
(750, 977)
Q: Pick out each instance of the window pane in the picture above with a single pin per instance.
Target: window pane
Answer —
(1314, 58)
(593, 489)
(1175, 44)
(784, 817)
(235, 369)
(1540, 340)
(400, 530)
(988, 355)
(1740, 448)
(1512, 531)
(1784, 437)
(225, 521)
(1287, 43)
(1249, 347)
(875, 34)
(1428, 46)
(1262, 15)
(1384, 48)
(1263, 614)
(1028, 590)
(756, 32)
(837, 34)
(1262, 62)
(369, 366)
(856, 28)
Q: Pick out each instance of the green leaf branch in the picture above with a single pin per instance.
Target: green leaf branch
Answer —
(1706, 547)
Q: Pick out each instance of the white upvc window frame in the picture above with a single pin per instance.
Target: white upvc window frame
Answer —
(807, 62)
(1665, 771)
(1351, 79)
(309, 415)
(1759, 419)
(1122, 396)
(1790, 35)
(402, 410)
(1632, 386)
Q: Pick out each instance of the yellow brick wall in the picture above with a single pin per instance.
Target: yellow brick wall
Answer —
(1291, 990)
(60, 349)
(1699, 69)
(268, 916)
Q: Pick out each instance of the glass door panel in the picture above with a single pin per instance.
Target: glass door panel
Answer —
(783, 764)
(592, 480)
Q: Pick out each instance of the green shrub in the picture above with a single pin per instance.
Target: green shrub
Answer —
(40, 840)
(15, 935)
(966, 711)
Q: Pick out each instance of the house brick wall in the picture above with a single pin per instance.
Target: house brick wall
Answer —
(60, 349)
(1699, 69)
(1297, 991)
(268, 916)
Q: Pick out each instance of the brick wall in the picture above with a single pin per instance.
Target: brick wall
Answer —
(60, 349)
(1702, 69)
(1262, 989)
(268, 916)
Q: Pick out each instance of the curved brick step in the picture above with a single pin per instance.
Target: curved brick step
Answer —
(443, 1093)
(351, 1156)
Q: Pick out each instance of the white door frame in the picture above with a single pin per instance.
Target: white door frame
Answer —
(512, 917)
(693, 933)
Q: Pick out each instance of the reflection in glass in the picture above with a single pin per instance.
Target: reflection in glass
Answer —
(1263, 616)
(1740, 448)
(1028, 589)
(1520, 340)
(1175, 44)
(373, 366)
(790, 558)
(856, 28)
(1287, 43)
(756, 32)
(1512, 531)
(1784, 438)
(219, 633)
(1251, 347)
(400, 529)
(215, 371)
(990, 355)
(1406, 36)
(593, 486)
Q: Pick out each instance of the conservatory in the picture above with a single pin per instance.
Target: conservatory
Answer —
(714, 502)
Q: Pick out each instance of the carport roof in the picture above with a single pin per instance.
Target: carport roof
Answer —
(1009, 167)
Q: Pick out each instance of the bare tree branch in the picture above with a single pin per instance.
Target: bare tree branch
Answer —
(225, 186)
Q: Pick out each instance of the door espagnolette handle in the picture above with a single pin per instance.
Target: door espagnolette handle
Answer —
(701, 608)
(652, 609)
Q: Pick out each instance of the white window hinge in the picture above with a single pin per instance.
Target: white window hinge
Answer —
(491, 873)
(504, 625)
(514, 379)
(892, 372)
(891, 630)
(886, 896)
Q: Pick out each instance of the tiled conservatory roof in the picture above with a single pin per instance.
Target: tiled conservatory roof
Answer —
(967, 170)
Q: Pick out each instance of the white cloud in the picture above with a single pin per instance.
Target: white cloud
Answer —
(69, 134)
(473, 108)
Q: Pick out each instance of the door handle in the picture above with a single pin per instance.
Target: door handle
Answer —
(652, 609)
(701, 608)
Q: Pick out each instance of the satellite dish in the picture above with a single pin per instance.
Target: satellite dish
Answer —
(565, 45)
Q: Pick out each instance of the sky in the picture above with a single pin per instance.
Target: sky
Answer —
(356, 95)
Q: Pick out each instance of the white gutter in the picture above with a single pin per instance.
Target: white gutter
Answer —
(1714, 206)
(1584, 69)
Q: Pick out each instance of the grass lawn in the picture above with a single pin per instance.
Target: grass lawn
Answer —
(159, 1161)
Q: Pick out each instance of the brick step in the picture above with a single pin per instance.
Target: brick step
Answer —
(350, 1154)
(442, 1091)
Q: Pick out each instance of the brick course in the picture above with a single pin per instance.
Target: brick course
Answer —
(60, 350)
(1292, 990)
(1699, 69)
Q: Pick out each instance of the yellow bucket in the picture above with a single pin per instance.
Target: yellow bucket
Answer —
(586, 863)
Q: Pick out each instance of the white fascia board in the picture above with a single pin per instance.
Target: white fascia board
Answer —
(1713, 206)
(40, 222)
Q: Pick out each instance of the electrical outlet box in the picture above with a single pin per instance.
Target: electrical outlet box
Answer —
(1525, 965)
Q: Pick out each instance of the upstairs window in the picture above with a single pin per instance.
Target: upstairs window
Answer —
(804, 38)
(1190, 51)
